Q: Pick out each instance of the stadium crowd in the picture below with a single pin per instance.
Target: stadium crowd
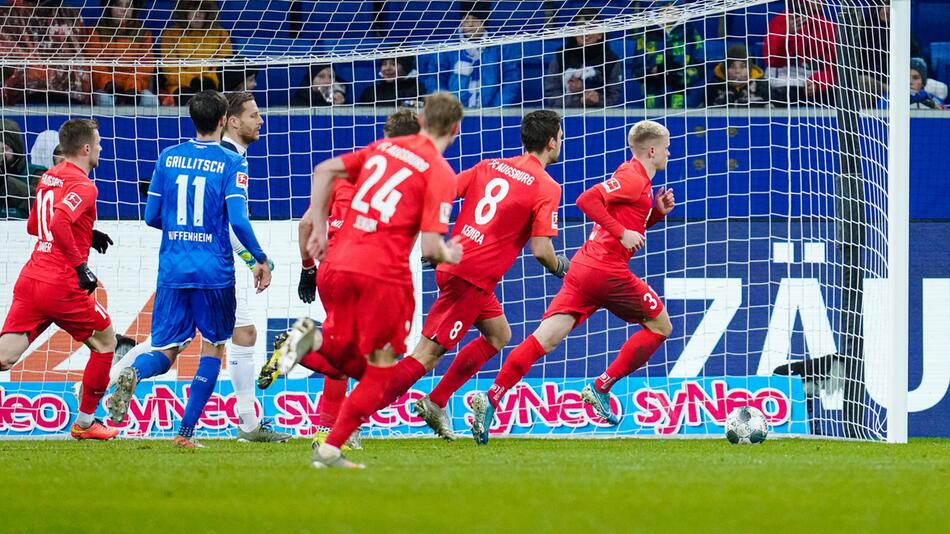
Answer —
(51, 56)
(793, 60)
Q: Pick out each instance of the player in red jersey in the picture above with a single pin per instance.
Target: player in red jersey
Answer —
(622, 208)
(56, 286)
(507, 202)
(400, 123)
(404, 187)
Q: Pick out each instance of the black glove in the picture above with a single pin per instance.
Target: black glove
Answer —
(87, 280)
(100, 241)
(563, 264)
(307, 288)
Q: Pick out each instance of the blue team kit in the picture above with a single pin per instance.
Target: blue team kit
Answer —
(198, 192)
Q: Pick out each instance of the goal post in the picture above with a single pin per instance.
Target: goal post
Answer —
(898, 218)
(783, 266)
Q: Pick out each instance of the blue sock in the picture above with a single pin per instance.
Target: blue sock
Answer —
(151, 364)
(201, 388)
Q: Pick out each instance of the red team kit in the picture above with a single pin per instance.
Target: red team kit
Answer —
(393, 190)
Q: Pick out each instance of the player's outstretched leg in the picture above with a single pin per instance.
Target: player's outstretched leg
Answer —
(632, 356)
(146, 365)
(334, 393)
(435, 416)
(269, 371)
(483, 416)
(466, 364)
(302, 338)
(123, 347)
(201, 388)
(365, 399)
(600, 401)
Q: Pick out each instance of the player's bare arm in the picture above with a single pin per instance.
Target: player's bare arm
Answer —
(322, 190)
(543, 250)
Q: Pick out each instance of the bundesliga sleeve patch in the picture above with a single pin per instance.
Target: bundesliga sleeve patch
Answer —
(73, 200)
(445, 212)
(612, 185)
(241, 180)
(554, 220)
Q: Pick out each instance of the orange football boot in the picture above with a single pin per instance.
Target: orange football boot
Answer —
(96, 430)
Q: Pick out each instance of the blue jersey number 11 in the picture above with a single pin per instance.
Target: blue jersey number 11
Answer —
(199, 183)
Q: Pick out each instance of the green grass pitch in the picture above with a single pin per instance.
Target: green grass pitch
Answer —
(512, 485)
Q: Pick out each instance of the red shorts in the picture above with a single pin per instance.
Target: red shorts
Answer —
(323, 289)
(587, 289)
(459, 306)
(36, 305)
(367, 313)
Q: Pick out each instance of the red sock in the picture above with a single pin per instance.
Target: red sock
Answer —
(467, 362)
(361, 403)
(334, 391)
(402, 376)
(343, 357)
(517, 365)
(633, 354)
(318, 362)
(95, 380)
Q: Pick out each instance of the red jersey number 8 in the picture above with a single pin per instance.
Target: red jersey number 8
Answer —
(495, 191)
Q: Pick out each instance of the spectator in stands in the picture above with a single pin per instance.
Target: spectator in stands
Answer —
(737, 81)
(801, 55)
(920, 97)
(18, 179)
(194, 35)
(670, 65)
(240, 78)
(585, 73)
(397, 85)
(322, 88)
(52, 37)
(120, 36)
(480, 76)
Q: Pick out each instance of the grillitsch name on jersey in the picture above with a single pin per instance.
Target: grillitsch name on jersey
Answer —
(194, 164)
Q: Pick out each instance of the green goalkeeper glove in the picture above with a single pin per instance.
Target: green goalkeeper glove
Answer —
(245, 255)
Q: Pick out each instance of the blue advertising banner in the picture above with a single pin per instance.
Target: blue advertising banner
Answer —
(533, 407)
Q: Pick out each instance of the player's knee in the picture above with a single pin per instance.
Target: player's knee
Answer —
(500, 338)
(103, 341)
(661, 325)
(245, 336)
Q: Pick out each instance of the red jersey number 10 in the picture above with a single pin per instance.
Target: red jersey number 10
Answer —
(385, 199)
(44, 205)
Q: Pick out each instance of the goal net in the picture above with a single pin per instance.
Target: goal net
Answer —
(774, 265)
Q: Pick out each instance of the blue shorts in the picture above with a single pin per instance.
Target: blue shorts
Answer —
(178, 311)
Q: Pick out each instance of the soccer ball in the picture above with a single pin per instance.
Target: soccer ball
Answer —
(746, 425)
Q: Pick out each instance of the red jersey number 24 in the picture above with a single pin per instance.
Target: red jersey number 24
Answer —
(385, 199)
